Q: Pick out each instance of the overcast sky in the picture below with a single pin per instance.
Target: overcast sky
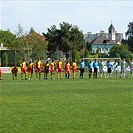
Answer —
(89, 16)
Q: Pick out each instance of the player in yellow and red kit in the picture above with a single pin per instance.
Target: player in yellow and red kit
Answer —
(59, 69)
(46, 70)
(67, 70)
(23, 69)
(30, 69)
(14, 72)
(74, 68)
(52, 69)
(38, 66)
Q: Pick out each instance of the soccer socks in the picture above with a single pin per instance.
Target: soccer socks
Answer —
(59, 75)
(36, 75)
(39, 75)
(101, 75)
(52, 75)
(22, 76)
(13, 76)
(73, 75)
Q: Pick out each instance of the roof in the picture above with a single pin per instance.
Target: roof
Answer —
(102, 40)
(111, 27)
(32, 36)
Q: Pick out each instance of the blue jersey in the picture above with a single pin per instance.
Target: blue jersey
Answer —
(95, 64)
(90, 65)
(82, 65)
(109, 65)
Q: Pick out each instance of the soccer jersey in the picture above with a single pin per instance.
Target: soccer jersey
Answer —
(39, 64)
(101, 65)
(23, 67)
(52, 67)
(30, 65)
(115, 66)
(74, 67)
(82, 65)
(90, 65)
(59, 64)
(109, 65)
(95, 64)
(67, 68)
(123, 64)
(46, 67)
(14, 70)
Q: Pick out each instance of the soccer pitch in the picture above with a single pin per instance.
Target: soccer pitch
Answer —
(66, 105)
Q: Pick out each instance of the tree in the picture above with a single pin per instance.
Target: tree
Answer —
(37, 46)
(86, 55)
(32, 30)
(56, 55)
(88, 45)
(129, 35)
(19, 45)
(120, 51)
(66, 38)
(76, 55)
(4, 59)
(6, 37)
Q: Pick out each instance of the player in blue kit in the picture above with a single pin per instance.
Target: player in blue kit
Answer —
(95, 66)
(82, 68)
(109, 68)
(90, 66)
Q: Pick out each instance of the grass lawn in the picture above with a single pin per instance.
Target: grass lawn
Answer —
(66, 106)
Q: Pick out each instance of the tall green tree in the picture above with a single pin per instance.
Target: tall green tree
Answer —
(88, 46)
(37, 46)
(76, 55)
(56, 55)
(86, 55)
(19, 45)
(4, 59)
(129, 35)
(66, 38)
(120, 51)
(6, 37)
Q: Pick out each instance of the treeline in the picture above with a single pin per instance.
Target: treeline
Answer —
(66, 42)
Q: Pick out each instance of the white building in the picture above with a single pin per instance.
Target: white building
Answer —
(112, 35)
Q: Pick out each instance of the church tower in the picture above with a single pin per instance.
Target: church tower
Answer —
(111, 32)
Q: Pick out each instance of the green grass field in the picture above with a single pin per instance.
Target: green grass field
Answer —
(66, 106)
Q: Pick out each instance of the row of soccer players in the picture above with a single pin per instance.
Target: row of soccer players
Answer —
(94, 66)
(47, 67)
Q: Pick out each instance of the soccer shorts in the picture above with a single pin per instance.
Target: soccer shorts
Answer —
(59, 70)
(23, 70)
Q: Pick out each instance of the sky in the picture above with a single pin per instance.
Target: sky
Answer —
(89, 15)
